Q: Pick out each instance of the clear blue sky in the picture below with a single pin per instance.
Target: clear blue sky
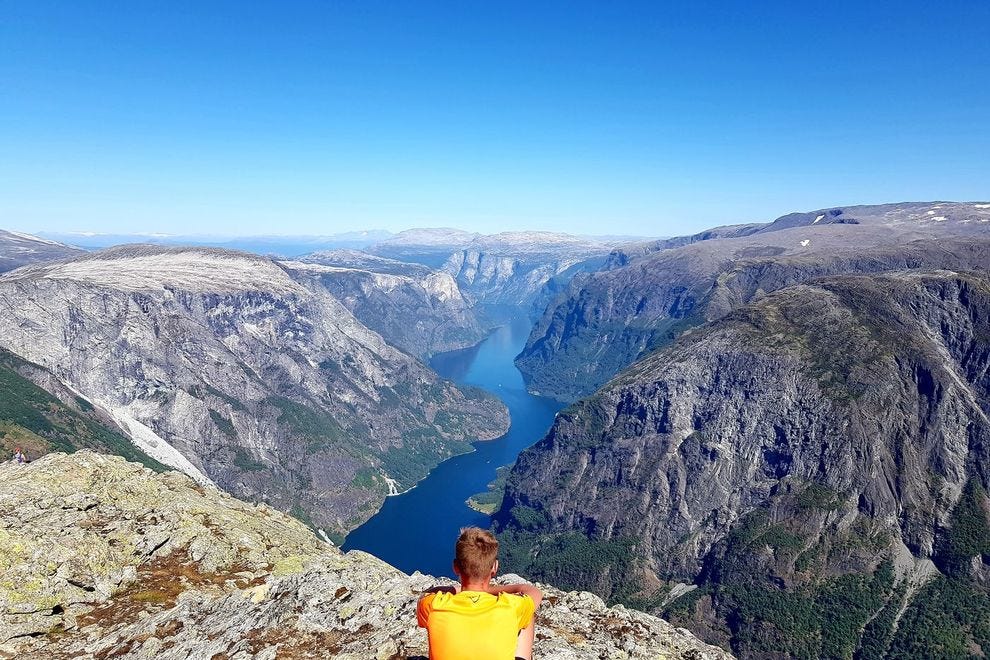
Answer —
(639, 118)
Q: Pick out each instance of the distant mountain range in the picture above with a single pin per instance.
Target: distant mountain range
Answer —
(648, 293)
(17, 249)
(281, 246)
(778, 434)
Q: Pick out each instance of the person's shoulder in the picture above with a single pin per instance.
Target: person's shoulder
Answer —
(516, 600)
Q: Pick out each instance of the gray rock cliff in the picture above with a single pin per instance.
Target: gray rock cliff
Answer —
(413, 307)
(101, 558)
(243, 373)
(647, 296)
(828, 429)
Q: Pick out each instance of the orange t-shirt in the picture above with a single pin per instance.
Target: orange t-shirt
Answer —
(474, 625)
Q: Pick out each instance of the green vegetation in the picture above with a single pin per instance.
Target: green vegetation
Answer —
(319, 430)
(878, 633)
(767, 617)
(571, 561)
(969, 534)
(527, 518)
(299, 513)
(421, 451)
(245, 461)
(32, 418)
(202, 391)
(948, 618)
(682, 610)
(225, 425)
(489, 501)
(817, 497)
(367, 478)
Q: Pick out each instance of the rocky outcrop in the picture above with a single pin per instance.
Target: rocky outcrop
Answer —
(648, 295)
(517, 272)
(102, 558)
(242, 372)
(413, 307)
(504, 274)
(17, 249)
(829, 429)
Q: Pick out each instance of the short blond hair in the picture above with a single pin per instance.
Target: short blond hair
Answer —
(475, 553)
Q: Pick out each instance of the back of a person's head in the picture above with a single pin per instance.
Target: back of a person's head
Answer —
(475, 553)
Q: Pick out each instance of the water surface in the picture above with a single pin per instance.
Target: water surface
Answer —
(416, 531)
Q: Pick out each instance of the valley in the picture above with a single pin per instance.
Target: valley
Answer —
(774, 435)
(412, 531)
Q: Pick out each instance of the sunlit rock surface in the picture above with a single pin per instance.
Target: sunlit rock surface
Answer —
(243, 373)
(103, 558)
(649, 293)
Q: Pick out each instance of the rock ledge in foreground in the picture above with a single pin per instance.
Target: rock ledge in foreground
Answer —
(103, 558)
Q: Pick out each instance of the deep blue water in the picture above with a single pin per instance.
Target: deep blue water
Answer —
(416, 530)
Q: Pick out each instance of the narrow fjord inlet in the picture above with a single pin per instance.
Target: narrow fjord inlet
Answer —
(667, 324)
(415, 531)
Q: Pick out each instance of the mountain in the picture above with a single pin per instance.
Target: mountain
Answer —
(282, 246)
(41, 415)
(430, 247)
(18, 250)
(646, 296)
(517, 272)
(102, 558)
(412, 306)
(244, 373)
(502, 274)
(805, 477)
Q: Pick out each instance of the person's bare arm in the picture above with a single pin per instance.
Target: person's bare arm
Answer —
(524, 589)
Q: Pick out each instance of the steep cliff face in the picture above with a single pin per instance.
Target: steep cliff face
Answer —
(17, 249)
(521, 272)
(648, 296)
(38, 414)
(100, 558)
(806, 451)
(238, 371)
(502, 275)
(413, 307)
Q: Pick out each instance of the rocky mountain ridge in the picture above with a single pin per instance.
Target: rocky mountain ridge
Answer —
(503, 273)
(18, 249)
(102, 558)
(415, 308)
(648, 295)
(779, 479)
(244, 373)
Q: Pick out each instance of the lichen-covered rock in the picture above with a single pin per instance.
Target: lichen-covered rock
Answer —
(103, 558)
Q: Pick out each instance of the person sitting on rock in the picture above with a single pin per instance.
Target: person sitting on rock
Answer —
(19, 456)
(478, 620)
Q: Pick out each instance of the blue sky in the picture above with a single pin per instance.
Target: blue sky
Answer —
(600, 118)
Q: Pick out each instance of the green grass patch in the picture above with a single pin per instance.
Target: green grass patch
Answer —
(225, 425)
(244, 460)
